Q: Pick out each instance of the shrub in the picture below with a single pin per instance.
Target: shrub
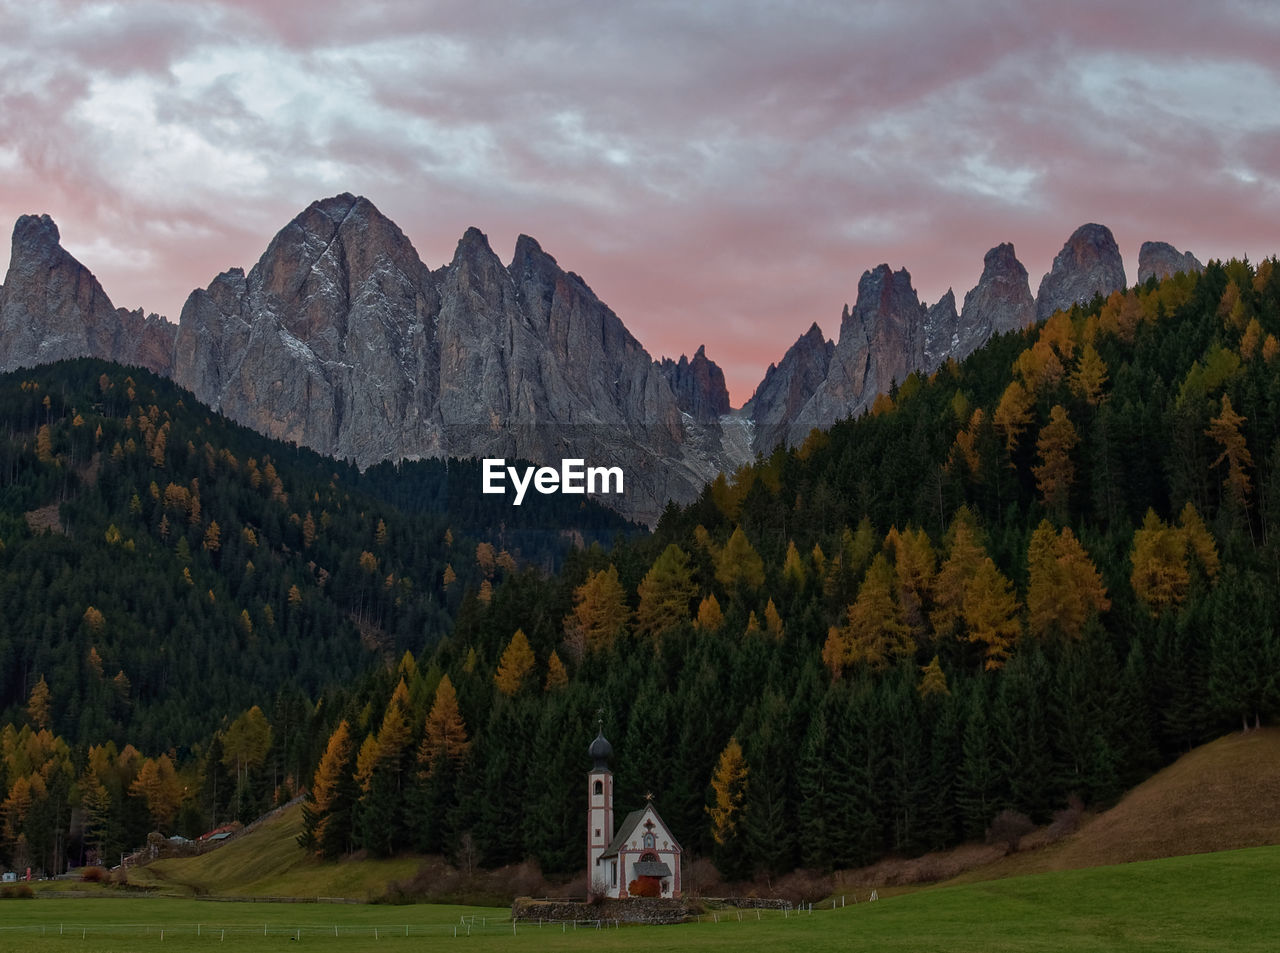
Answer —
(21, 891)
(1009, 828)
(645, 887)
(93, 875)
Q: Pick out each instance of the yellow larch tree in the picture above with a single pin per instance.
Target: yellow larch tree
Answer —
(665, 592)
(557, 677)
(710, 617)
(991, 613)
(446, 732)
(515, 664)
(729, 784)
(739, 565)
(964, 554)
(1013, 414)
(1055, 472)
(1089, 379)
(600, 613)
(875, 632)
(1225, 430)
(1064, 588)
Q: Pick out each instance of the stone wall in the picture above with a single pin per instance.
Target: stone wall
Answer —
(631, 910)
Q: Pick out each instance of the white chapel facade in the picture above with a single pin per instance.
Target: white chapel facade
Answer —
(642, 851)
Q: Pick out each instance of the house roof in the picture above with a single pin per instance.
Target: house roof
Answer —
(629, 825)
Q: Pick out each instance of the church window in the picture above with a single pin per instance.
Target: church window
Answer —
(599, 787)
(650, 840)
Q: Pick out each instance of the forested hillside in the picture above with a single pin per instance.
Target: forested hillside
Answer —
(164, 572)
(1041, 573)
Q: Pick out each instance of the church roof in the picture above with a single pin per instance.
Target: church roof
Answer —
(629, 824)
(600, 751)
(651, 868)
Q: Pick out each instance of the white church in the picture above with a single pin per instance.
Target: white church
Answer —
(642, 852)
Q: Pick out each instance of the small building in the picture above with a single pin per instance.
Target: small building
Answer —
(643, 857)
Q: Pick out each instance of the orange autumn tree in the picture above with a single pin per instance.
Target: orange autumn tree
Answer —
(876, 631)
(327, 814)
(991, 614)
(964, 555)
(1064, 589)
(445, 737)
(515, 664)
(1055, 472)
(1013, 414)
(1160, 559)
(599, 614)
(1225, 430)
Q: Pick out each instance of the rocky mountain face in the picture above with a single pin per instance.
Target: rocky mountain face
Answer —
(787, 387)
(1000, 302)
(890, 333)
(342, 340)
(52, 307)
(1161, 260)
(698, 385)
(1089, 264)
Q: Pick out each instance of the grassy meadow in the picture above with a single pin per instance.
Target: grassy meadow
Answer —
(1206, 902)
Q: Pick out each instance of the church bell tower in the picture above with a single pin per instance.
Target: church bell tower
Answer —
(599, 817)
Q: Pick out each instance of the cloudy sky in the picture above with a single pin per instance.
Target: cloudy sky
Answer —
(719, 172)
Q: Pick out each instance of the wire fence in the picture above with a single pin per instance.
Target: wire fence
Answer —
(466, 926)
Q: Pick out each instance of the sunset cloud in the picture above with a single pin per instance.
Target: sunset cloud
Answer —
(720, 173)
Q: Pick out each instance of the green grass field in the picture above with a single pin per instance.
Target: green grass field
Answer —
(1206, 902)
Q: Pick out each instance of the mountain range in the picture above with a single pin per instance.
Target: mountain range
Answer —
(341, 339)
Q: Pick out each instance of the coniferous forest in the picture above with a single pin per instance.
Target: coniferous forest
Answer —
(1036, 575)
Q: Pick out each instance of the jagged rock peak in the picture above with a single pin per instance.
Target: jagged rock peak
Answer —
(698, 385)
(52, 308)
(1089, 264)
(940, 325)
(788, 386)
(1000, 302)
(31, 232)
(1161, 260)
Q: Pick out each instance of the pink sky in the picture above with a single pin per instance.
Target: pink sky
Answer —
(719, 172)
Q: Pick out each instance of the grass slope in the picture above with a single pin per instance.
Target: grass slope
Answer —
(1219, 796)
(267, 862)
(1205, 902)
